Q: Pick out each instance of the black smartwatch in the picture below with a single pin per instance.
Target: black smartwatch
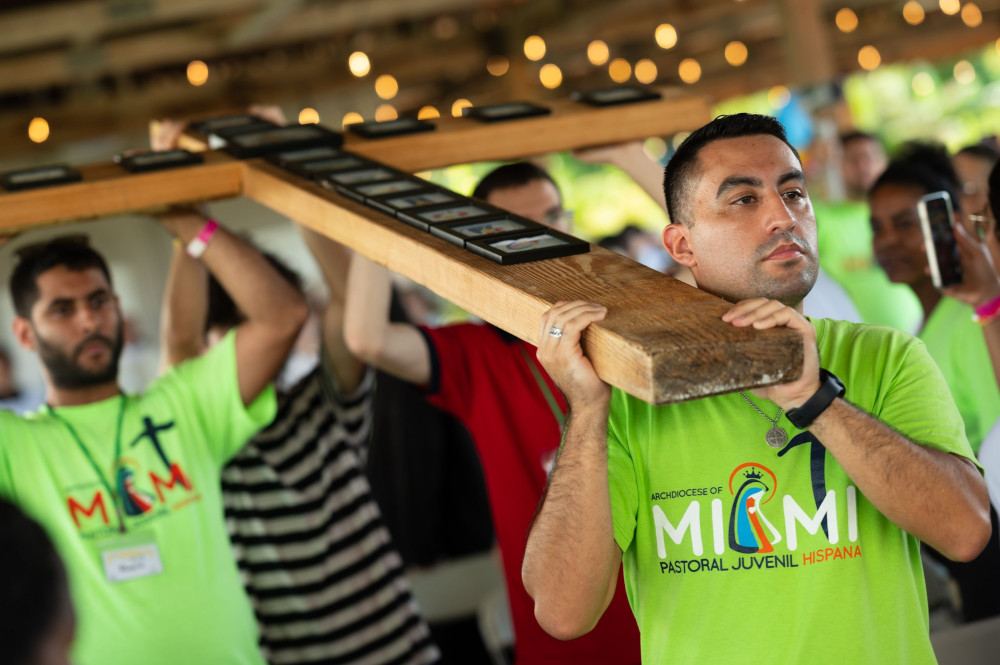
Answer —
(830, 388)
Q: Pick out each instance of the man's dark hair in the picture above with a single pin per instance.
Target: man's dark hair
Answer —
(980, 151)
(923, 165)
(223, 312)
(32, 585)
(682, 167)
(71, 252)
(516, 174)
(858, 135)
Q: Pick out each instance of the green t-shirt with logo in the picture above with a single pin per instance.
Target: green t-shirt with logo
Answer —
(958, 347)
(845, 252)
(736, 552)
(175, 440)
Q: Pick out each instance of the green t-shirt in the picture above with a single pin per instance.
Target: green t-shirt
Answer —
(845, 253)
(735, 552)
(959, 349)
(175, 440)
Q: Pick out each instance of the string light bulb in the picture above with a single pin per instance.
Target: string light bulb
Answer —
(736, 53)
(689, 70)
(666, 36)
(359, 64)
(534, 48)
(38, 130)
(308, 116)
(846, 20)
(598, 52)
(913, 12)
(197, 73)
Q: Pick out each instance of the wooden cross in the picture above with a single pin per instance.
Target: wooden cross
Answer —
(662, 340)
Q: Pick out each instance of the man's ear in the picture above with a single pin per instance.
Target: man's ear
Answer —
(677, 241)
(24, 333)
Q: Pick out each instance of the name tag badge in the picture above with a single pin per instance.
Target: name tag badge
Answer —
(130, 557)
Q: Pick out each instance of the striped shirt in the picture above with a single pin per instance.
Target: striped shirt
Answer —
(324, 578)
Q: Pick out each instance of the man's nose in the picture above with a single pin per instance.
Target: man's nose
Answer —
(87, 318)
(779, 217)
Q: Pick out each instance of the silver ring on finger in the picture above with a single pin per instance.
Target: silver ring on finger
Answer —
(555, 332)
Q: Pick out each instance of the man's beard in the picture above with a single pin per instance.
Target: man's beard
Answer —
(755, 283)
(67, 374)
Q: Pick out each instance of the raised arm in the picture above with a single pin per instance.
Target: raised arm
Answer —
(274, 311)
(333, 260)
(184, 309)
(633, 160)
(980, 283)
(949, 512)
(573, 585)
(396, 348)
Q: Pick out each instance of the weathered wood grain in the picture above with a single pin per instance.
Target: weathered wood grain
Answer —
(663, 341)
(108, 189)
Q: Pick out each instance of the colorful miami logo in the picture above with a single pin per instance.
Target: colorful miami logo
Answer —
(747, 522)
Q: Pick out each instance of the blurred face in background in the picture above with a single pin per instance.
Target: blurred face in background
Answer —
(538, 200)
(897, 241)
(864, 161)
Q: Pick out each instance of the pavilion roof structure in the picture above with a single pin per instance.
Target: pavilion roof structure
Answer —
(93, 67)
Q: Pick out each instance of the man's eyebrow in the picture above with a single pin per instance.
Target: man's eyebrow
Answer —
(791, 175)
(736, 181)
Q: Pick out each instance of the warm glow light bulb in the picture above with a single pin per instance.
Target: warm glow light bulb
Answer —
(689, 70)
(351, 118)
(550, 76)
(308, 116)
(428, 112)
(534, 48)
(197, 72)
(598, 52)
(972, 15)
(736, 53)
(359, 64)
(779, 96)
(386, 112)
(38, 130)
(913, 12)
(456, 108)
(497, 65)
(386, 86)
(619, 70)
(869, 58)
(846, 20)
(965, 73)
(666, 36)
(950, 7)
(645, 71)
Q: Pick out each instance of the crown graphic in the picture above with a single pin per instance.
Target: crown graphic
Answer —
(753, 476)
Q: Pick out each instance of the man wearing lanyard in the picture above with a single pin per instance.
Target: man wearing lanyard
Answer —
(128, 485)
(492, 382)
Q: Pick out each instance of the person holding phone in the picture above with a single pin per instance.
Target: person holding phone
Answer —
(952, 337)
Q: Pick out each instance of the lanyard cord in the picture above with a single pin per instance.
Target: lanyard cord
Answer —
(90, 458)
(549, 397)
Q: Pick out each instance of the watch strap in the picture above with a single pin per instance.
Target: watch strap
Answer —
(830, 388)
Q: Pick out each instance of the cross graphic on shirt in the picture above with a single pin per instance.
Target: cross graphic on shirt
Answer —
(150, 430)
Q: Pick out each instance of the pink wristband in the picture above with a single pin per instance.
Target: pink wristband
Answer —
(197, 247)
(988, 311)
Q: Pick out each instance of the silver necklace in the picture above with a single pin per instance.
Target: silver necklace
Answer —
(775, 437)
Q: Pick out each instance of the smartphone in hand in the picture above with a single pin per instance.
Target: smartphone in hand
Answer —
(937, 223)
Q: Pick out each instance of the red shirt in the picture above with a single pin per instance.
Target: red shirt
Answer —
(480, 376)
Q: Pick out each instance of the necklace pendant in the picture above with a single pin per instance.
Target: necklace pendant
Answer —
(776, 437)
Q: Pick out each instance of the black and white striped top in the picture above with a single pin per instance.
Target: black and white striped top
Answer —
(317, 561)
